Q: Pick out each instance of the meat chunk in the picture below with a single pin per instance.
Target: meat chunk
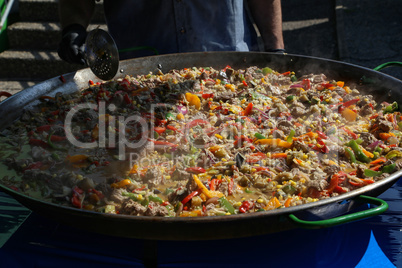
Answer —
(117, 196)
(155, 209)
(366, 110)
(130, 207)
(331, 170)
(367, 138)
(153, 177)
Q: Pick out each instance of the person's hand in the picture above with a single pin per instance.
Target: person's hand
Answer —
(71, 47)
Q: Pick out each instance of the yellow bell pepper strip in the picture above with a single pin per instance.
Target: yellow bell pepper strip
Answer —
(205, 190)
(274, 142)
(194, 213)
(193, 100)
(349, 115)
(367, 153)
(121, 183)
(279, 155)
(393, 153)
(288, 201)
(311, 135)
(272, 203)
(386, 136)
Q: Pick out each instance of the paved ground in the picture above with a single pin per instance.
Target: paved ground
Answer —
(363, 32)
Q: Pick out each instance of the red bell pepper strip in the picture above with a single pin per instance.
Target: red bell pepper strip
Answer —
(207, 95)
(306, 83)
(159, 130)
(173, 128)
(127, 99)
(190, 196)
(163, 143)
(362, 183)
(242, 138)
(350, 102)
(62, 79)
(55, 138)
(248, 109)
(351, 133)
(196, 122)
(255, 157)
(195, 170)
(213, 184)
(322, 135)
(43, 128)
(335, 180)
(245, 206)
(230, 186)
(35, 165)
(36, 142)
(5, 94)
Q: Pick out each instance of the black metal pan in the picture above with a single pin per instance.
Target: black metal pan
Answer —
(313, 215)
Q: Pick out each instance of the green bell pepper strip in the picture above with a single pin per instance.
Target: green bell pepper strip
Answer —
(290, 98)
(49, 141)
(266, 70)
(371, 173)
(155, 199)
(389, 168)
(351, 155)
(391, 108)
(259, 136)
(291, 135)
(227, 205)
(358, 152)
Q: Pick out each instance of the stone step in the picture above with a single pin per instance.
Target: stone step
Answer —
(14, 86)
(47, 10)
(33, 64)
(38, 35)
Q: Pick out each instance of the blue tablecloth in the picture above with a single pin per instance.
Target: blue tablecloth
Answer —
(40, 242)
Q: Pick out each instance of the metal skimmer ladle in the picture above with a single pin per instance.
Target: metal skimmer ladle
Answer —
(101, 54)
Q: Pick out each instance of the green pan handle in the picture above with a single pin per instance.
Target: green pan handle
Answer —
(388, 64)
(382, 206)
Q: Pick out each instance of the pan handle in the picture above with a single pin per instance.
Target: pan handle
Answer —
(388, 64)
(382, 206)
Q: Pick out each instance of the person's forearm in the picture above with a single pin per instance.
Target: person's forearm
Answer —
(76, 12)
(267, 15)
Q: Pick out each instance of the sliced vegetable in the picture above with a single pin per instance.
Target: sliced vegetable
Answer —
(227, 205)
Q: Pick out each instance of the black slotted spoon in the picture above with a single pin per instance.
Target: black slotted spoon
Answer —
(101, 54)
